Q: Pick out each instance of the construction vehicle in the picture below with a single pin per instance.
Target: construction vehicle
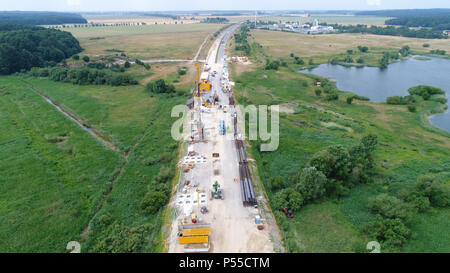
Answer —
(216, 191)
(205, 85)
(203, 210)
(222, 129)
(289, 214)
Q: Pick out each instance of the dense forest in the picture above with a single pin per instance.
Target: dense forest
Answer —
(437, 23)
(40, 18)
(24, 47)
(402, 13)
(392, 31)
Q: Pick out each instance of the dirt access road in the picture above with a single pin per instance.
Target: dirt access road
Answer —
(233, 225)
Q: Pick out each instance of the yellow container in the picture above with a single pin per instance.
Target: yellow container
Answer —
(196, 231)
(192, 239)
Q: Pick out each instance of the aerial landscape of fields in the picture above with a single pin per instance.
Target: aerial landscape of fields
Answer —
(90, 100)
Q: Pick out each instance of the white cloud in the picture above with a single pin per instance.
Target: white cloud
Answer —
(373, 2)
(72, 3)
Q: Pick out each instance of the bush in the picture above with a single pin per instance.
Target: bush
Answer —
(288, 199)
(159, 86)
(272, 65)
(411, 108)
(438, 52)
(332, 96)
(318, 92)
(363, 49)
(299, 61)
(153, 201)
(393, 232)
(182, 71)
(348, 59)
(426, 45)
(118, 238)
(76, 57)
(437, 192)
(389, 207)
(349, 100)
(360, 60)
(276, 183)
(127, 64)
(396, 100)
(86, 59)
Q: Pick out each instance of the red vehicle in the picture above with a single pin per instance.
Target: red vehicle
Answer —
(289, 213)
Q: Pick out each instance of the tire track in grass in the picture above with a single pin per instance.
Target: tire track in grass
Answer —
(103, 139)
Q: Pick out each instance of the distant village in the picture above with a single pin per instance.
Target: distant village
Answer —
(297, 27)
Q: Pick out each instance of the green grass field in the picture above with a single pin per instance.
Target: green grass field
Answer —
(409, 148)
(66, 186)
(53, 173)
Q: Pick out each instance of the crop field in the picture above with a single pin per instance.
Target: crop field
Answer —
(321, 47)
(309, 124)
(145, 42)
(52, 189)
(134, 18)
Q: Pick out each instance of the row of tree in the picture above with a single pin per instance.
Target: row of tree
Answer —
(84, 75)
(438, 23)
(391, 31)
(215, 20)
(241, 40)
(24, 47)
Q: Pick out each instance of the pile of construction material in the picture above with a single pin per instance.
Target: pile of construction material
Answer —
(247, 190)
(240, 59)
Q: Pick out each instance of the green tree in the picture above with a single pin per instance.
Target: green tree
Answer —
(311, 184)
(288, 198)
(349, 100)
(437, 192)
(389, 207)
(393, 232)
(318, 92)
(127, 64)
(86, 59)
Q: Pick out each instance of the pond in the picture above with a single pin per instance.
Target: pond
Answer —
(378, 84)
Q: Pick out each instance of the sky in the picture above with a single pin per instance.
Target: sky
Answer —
(176, 5)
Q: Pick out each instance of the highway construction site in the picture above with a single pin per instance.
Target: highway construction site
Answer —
(216, 207)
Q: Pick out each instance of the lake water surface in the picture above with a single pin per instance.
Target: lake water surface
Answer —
(378, 84)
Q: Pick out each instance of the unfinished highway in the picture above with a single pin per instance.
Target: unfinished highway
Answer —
(227, 224)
